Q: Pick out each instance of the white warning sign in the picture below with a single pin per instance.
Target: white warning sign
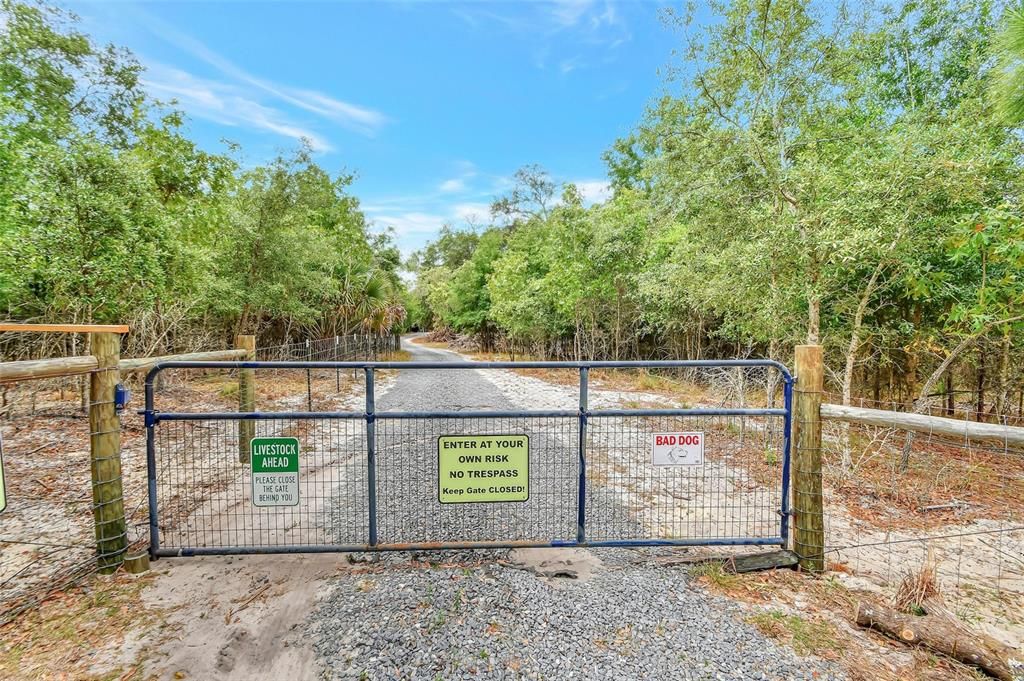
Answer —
(677, 449)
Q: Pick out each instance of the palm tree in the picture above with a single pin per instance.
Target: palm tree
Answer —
(1007, 89)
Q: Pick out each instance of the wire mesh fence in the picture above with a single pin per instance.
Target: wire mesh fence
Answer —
(47, 533)
(319, 383)
(955, 508)
(735, 493)
(374, 479)
(205, 492)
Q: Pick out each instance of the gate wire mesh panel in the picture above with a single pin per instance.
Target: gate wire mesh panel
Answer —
(205, 501)
(408, 509)
(735, 493)
(204, 494)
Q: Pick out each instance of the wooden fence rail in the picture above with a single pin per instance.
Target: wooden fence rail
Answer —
(75, 366)
(47, 368)
(923, 423)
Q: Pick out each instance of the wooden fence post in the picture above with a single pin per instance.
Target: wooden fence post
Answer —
(808, 503)
(105, 453)
(246, 396)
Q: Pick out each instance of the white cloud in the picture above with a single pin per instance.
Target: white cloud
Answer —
(411, 224)
(361, 119)
(466, 171)
(569, 12)
(453, 185)
(224, 103)
(594, 191)
(567, 66)
(472, 212)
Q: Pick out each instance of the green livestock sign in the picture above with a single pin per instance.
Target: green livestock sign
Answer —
(483, 468)
(275, 471)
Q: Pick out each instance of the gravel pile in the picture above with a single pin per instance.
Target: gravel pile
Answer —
(466, 620)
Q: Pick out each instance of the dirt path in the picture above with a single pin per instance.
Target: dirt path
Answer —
(329, 615)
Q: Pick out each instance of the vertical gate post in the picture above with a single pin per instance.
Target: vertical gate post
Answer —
(309, 377)
(246, 397)
(337, 370)
(105, 453)
(371, 456)
(808, 503)
(581, 501)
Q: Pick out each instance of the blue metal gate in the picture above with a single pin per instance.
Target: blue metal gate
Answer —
(370, 479)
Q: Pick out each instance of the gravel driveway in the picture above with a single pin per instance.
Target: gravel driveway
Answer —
(599, 614)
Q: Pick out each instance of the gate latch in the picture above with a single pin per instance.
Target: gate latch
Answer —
(121, 397)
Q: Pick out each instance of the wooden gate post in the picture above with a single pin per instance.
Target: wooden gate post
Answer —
(105, 453)
(808, 503)
(246, 396)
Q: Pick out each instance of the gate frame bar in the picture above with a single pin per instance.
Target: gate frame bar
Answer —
(370, 415)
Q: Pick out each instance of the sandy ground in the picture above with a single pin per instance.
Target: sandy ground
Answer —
(235, 618)
(238, 619)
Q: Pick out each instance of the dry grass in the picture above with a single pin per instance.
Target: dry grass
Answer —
(621, 380)
(437, 345)
(398, 356)
(972, 482)
(60, 639)
(807, 636)
(917, 588)
(815, 615)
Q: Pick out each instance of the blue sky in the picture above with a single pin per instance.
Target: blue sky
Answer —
(433, 105)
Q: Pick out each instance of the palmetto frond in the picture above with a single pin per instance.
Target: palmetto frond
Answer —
(1007, 87)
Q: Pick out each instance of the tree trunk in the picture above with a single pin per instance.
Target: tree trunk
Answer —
(851, 360)
(980, 406)
(1003, 394)
(929, 385)
(878, 383)
(943, 633)
(950, 395)
(813, 319)
(243, 321)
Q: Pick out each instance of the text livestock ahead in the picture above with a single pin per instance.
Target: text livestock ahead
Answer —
(483, 468)
(275, 471)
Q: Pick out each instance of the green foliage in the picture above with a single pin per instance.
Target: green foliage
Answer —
(108, 212)
(1008, 76)
(833, 175)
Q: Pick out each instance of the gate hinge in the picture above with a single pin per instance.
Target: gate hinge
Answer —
(151, 416)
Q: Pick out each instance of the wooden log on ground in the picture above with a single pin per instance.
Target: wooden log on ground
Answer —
(923, 423)
(747, 562)
(46, 368)
(145, 363)
(943, 633)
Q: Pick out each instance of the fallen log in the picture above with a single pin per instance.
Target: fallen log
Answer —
(943, 633)
(738, 564)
